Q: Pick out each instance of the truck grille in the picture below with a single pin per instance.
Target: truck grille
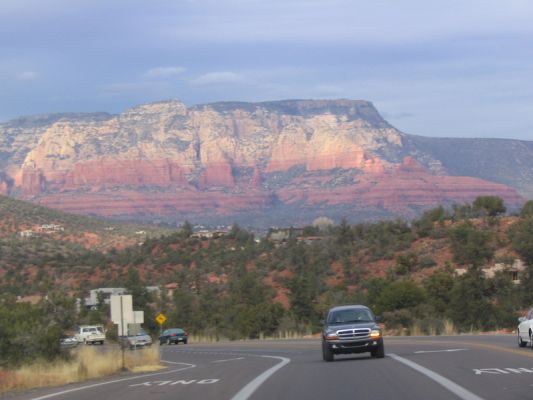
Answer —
(357, 333)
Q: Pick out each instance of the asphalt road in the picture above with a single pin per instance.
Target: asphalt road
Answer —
(461, 367)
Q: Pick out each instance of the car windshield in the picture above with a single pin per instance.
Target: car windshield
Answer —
(349, 316)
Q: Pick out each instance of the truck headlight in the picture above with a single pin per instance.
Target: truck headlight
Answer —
(375, 333)
(331, 336)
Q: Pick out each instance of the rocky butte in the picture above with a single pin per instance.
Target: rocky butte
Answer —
(280, 162)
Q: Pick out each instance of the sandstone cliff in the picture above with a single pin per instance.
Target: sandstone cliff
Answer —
(164, 159)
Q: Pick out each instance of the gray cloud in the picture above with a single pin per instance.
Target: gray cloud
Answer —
(27, 75)
(445, 67)
(348, 21)
(216, 78)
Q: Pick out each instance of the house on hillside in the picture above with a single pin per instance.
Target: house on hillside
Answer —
(32, 299)
(207, 234)
(50, 228)
(514, 270)
(309, 239)
(105, 293)
(170, 288)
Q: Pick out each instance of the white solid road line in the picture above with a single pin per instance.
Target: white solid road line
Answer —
(439, 351)
(48, 396)
(459, 391)
(251, 387)
(175, 363)
(229, 359)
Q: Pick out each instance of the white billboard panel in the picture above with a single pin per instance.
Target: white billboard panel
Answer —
(138, 317)
(122, 312)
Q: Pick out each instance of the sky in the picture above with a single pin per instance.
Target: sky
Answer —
(446, 68)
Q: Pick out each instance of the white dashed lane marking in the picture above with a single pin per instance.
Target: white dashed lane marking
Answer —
(439, 351)
(229, 359)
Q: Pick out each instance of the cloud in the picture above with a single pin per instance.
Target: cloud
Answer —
(163, 72)
(216, 78)
(348, 21)
(330, 90)
(27, 76)
(132, 88)
(397, 115)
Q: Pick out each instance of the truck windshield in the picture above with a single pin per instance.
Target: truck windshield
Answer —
(349, 316)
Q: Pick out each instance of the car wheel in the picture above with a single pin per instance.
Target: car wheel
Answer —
(521, 343)
(379, 352)
(327, 354)
(184, 342)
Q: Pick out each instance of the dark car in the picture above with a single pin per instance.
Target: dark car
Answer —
(173, 336)
(351, 329)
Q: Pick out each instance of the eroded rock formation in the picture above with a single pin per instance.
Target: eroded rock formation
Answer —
(227, 158)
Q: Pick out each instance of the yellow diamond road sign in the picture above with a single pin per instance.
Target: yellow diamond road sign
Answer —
(160, 318)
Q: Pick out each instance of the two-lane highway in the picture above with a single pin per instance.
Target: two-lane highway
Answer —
(460, 367)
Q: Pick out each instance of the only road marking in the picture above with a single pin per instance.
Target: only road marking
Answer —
(180, 382)
(48, 396)
(502, 371)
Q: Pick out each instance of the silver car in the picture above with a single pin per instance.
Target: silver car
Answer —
(138, 340)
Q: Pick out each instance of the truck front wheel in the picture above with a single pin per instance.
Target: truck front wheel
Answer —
(327, 354)
(379, 352)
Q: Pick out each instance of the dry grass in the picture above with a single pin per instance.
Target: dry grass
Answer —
(416, 330)
(446, 329)
(279, 335)
(449, 328)
(87, 362)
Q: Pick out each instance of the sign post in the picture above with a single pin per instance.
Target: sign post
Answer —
(122, 333)
(160, 318)
(122, 315)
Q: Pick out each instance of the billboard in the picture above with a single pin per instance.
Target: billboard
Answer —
(122, 312)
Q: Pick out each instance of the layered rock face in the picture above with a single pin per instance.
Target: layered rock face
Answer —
(164, 159)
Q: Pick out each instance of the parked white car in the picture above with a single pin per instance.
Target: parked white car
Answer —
(90, 334)
(525, 330)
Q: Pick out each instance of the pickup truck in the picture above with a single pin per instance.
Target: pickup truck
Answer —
(351, 329)
(90, 334)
